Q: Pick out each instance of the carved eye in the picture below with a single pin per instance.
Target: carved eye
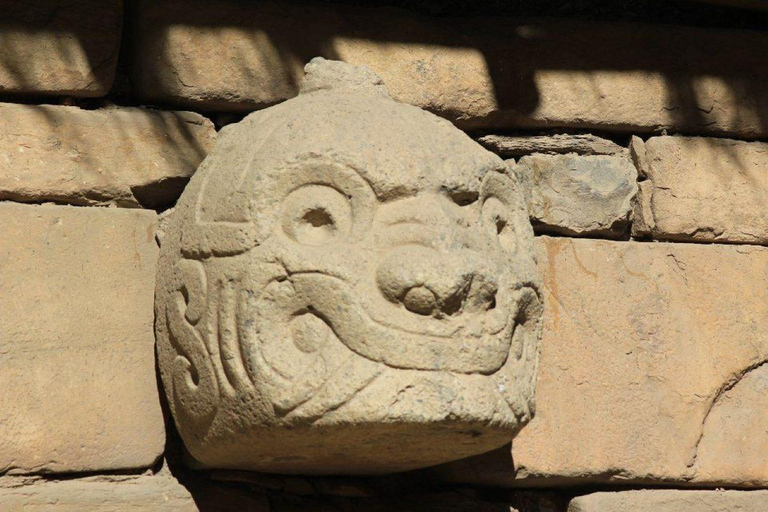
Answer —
(497, 221)
(463, 197)
(317, 215)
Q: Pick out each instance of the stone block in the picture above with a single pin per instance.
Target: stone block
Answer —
(671, 501)
(653, 369)
(578, 195)
(520, 145)
(59, 48)
(127, 157)
(163, 492)
(135, 493)
(702, 189)
(77, 365)
(481, 73)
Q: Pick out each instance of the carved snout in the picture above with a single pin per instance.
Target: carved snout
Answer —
(437, 283)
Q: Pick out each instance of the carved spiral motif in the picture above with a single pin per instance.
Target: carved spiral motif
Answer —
(194, 381)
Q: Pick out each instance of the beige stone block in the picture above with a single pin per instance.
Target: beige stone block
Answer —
(478, 72)
(653, 369)
(59, 48)
(161, 492)
(702, 189)
(578, 195)
(671, 501)
(127, 157)
(77, 365)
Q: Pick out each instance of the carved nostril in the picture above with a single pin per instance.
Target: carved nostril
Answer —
(420, 300)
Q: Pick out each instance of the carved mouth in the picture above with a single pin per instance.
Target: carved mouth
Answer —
(462, 351)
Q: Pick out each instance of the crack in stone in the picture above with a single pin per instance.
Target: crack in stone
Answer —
(727, 386)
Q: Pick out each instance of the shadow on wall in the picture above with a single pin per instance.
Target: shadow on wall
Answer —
(481, 72)
(67, 47)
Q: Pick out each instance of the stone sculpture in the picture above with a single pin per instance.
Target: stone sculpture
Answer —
(347, 286)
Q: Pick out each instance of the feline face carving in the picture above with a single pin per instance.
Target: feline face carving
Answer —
(347, 284)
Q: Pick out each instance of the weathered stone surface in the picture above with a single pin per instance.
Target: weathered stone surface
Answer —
(122, 156)
(77, 365)
(362, 274)
(559, 144)
(671, 501)
(652, 369)
(480, 73)
(702, 189)
(138, 494)
(578, 195)
(162, 492)
(62, 48)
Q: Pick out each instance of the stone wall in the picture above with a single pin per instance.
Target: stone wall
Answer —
(642, 149)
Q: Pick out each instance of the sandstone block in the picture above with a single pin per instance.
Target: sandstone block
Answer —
(702, 189)
(77, 365)
(520, 145)
(127, 157)
(653, 369)
(671, 501)
(59, 48)
(159, 492)
(347, 286)
(163, 493)
(480, 73)
(578, 195)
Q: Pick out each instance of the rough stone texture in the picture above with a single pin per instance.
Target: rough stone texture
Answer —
(702, 189)
(123, 156)
(578, 195)
(652, 369)
(139, 494)
(559, 144)
(159, 492)
(481, 73)
(347, 286)
(671, 501)
(67, 47)
(163, 493)
(77, 365)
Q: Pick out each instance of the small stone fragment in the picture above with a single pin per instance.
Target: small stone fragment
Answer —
(509, 146)
(578, 195)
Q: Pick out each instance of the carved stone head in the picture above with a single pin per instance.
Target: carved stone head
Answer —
(347, 286)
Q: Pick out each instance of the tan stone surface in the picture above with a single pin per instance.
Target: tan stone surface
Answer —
(347, 285)
(559, 144)
(162, 492)
(578, 195)
(153, 493)
(671, 501)
(63, 48)
(123, 156)
(139, 494)
(650, 369)
(77, 365)
(481, 73)
(703, 189)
